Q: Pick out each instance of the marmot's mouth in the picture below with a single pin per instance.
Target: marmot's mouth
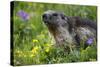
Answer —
(46, 21)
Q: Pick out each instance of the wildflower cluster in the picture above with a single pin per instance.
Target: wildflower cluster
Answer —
(24, 16)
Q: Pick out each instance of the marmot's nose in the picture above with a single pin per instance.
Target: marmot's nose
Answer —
(46, 17)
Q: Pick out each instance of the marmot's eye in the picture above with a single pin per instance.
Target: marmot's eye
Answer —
(63, 17)
(55, 14)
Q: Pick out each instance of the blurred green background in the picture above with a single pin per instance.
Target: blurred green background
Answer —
(32, 43)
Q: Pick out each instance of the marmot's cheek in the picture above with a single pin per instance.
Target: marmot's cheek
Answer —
(57, 20)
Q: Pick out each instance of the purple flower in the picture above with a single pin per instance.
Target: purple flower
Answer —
(89, 41)
(23, 15)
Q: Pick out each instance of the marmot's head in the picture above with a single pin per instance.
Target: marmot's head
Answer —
(53, 18)
(58, 25)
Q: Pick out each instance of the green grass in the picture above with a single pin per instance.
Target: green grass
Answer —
(32, 42)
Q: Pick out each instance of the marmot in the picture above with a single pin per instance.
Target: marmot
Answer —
(69, 30)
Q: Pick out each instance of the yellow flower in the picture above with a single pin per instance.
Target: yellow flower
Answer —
(35, 41)
(32, 55)
(35, 49)
(47, 49)
(19, 53)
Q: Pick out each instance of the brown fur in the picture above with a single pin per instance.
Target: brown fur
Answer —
(65, 29)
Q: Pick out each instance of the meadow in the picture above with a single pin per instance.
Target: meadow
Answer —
(32, 43)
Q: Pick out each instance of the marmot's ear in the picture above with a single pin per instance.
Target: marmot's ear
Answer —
(63, 16)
